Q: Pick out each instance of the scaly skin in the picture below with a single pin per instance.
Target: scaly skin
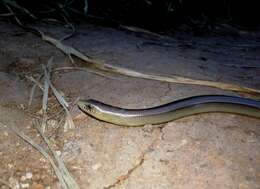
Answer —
(171, 111)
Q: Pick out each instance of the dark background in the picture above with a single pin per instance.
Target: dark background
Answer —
(151, 14)
(165, 13)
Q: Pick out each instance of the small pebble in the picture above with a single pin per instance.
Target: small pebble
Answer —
(23, 178)
(25, 185)
(96, 166)
(52, 123)
(42, 160)
(28, 175)
(22, 106)
(184, 141)
(5, 133)
(14, 183)
(58, 153)
(10, 166)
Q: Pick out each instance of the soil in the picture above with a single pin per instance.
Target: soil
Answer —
(204, 151)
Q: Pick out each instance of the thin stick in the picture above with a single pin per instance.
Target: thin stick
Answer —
(42, 151)
(65, 173)
(73, 30)
(68, 68)
(6, 14)
(69, 124)
(242, 66)
(15, 17)
(35, 81)
(96, 65)
(36, 84)
(45, 95)
(59, 97)
(17, 6)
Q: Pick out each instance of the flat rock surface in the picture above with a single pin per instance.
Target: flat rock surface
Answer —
(204, 151)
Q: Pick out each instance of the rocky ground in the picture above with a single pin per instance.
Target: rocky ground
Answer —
(204, 151)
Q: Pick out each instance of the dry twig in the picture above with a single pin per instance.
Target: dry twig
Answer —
(70, 182)
(45, 96)
(96, 65)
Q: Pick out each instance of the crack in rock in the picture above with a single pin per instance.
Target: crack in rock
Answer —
(126, 176)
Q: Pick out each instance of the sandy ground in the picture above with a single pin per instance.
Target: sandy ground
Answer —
(205, 151)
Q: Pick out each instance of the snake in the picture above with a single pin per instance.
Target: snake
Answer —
(171, 111)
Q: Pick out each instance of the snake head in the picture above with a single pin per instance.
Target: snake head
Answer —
(86, 106)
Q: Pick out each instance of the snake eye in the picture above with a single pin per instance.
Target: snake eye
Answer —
(89, 108)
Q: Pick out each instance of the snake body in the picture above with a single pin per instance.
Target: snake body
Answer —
(171, 111)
